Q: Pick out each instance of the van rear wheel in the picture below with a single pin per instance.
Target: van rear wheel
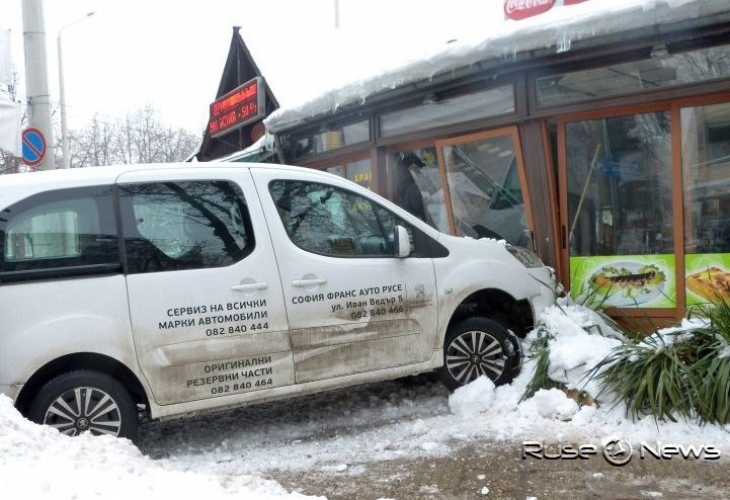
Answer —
(86, 401)
(476, 347)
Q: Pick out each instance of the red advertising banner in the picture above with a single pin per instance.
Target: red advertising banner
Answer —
(522, 9)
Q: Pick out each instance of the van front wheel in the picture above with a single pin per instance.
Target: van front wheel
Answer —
(86, 401)
(476, 347)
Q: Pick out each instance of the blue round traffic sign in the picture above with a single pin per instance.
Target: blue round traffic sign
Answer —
(34, 146)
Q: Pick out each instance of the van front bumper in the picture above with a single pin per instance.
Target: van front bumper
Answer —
(547, 290)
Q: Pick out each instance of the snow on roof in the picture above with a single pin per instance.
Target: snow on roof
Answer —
(397, 64)
(264, 144)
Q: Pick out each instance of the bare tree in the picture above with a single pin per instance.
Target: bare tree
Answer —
(10, 163)
(92, 146)
(138, 138)
(142, 138)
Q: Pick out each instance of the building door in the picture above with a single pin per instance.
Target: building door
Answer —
(618, 217)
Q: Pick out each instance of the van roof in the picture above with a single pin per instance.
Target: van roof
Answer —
(108, 174)
(11, 184)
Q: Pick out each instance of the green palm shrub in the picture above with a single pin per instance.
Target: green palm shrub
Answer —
(649, 376)
(540, 353)
(540, 343)
(682, 372)
(712, 364)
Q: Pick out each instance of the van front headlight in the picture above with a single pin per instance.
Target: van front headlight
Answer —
(526, 257)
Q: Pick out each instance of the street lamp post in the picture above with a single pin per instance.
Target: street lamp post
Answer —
(61, 89)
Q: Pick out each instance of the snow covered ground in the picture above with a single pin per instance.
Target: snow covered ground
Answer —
(226, 454)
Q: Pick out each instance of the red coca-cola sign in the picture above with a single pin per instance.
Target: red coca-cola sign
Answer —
(521, 9)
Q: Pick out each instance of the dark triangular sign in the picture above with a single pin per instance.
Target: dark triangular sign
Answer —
(241, 104)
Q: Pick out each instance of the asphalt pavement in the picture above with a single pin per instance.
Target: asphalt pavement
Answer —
(499, 472)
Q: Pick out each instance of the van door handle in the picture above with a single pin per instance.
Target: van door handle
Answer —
(250, 287)
(309, 282)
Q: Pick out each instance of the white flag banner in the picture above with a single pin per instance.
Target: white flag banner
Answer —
(6, 61)
(10, 117)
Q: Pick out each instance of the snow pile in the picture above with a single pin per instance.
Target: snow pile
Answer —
(37, 462)
(668, 336)
(473, 399)
(579, 340)
(227, 454)
(554, 404)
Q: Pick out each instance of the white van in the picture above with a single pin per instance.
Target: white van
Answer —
(164, 290)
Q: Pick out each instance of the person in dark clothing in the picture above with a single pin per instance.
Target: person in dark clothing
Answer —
(408, 195)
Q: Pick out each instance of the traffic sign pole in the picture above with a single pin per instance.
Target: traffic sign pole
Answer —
(36, 76)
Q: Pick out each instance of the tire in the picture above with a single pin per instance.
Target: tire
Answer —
(476, 347)
(80, 401)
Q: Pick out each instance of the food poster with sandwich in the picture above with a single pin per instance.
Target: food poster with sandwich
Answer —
(708, 278)
(624, 281)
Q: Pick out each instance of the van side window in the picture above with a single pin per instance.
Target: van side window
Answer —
(331, 221)
(59, 229)
(184, 225)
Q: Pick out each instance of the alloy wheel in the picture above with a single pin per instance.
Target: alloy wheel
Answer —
(83, 409)
(473, 354)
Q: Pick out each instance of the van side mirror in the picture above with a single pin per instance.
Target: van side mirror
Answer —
(401, 242)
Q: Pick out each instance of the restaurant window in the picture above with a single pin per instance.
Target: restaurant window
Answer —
(706, 180)
(484, 177)
(334, 137)
(359, 171)
(662, 70)
(620, 224)
(417, 185)
(437, 112)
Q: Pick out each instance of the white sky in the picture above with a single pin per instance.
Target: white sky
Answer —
(170, 54)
